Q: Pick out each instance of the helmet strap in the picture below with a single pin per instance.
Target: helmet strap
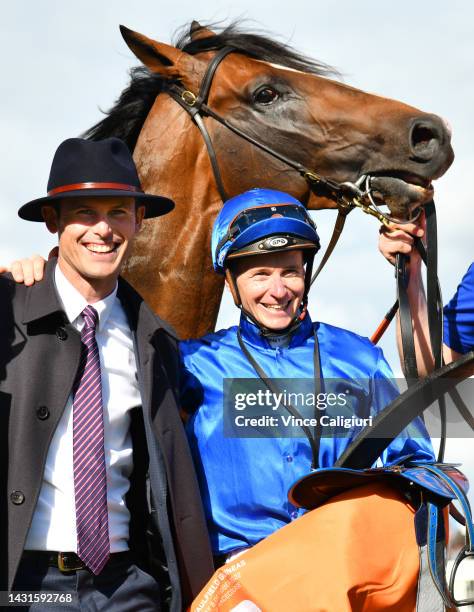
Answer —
(232, 284)
(307, 277)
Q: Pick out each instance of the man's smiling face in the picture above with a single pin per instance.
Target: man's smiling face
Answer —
(271, 286)
(95, 235)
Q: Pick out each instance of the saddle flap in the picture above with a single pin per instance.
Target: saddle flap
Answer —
(318, 487)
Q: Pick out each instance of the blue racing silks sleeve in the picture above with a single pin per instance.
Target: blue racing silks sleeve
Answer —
(459, 316)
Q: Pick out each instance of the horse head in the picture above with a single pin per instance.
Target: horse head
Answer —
(268, 117)
(293, 109)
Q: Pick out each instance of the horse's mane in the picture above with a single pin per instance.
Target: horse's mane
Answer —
(125, 119)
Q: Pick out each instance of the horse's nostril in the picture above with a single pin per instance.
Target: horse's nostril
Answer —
(425, 140)
(421, 135)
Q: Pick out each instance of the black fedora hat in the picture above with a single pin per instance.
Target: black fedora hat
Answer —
(101, 168)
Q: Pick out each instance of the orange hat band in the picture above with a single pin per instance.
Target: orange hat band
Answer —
(78, 186)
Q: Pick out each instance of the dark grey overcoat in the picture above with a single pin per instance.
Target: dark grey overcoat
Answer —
(39, 357)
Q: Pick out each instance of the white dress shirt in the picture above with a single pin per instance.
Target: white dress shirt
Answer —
(54, 520)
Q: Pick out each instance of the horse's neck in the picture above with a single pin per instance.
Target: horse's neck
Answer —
(176, 277)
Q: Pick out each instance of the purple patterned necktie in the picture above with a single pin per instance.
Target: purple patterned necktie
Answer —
(90, 483)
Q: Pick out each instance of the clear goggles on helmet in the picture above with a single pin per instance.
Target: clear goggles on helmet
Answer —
(250, 216)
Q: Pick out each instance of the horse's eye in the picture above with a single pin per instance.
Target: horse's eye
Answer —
(265, 95)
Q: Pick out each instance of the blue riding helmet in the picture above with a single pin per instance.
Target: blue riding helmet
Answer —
(261, 221)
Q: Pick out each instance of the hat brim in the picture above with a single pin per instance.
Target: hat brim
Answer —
(155, 206)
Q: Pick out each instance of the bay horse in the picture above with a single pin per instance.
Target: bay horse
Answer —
(298, 125)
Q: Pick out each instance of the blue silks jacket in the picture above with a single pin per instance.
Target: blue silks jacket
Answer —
(244, 481)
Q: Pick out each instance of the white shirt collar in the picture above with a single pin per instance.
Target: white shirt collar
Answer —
(74, 303)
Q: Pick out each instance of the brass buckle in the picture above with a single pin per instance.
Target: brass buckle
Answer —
(188, 97)
(70, 566)
(312, 177)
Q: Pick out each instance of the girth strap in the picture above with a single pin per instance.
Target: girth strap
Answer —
(428, 598)
(436, 545)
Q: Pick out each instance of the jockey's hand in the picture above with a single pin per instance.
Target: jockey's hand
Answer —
(399, 238)
(29, 270)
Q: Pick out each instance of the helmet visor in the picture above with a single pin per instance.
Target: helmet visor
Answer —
(250, 216)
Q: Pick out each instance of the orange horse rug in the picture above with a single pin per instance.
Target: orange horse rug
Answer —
(357, 552)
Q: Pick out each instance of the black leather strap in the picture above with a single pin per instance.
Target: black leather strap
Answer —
(193, 106)
(433, 292)
(69, 561)
(212, 157)
(206, 82)
(435, 310)
(314, 440)
(196, 105)
(330, 185)
(336, 233)
(406, 328)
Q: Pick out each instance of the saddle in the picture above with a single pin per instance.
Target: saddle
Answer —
(431, 487)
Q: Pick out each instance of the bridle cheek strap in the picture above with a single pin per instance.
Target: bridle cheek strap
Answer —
(344, 194)
(193, 105)
(196, 107)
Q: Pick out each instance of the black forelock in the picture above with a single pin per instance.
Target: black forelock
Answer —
(256, 44)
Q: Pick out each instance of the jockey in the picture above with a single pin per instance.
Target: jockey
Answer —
(264, 242)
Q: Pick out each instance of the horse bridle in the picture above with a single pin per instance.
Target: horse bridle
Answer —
(343, 193)
(196, 105)
(347, 195)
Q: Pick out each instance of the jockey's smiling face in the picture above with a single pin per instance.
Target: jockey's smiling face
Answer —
(271, 286)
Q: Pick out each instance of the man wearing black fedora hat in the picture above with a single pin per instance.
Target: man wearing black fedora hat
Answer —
(98, 488)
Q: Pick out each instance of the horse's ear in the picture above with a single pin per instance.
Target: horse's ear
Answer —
(158, 57)
(197, 31)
